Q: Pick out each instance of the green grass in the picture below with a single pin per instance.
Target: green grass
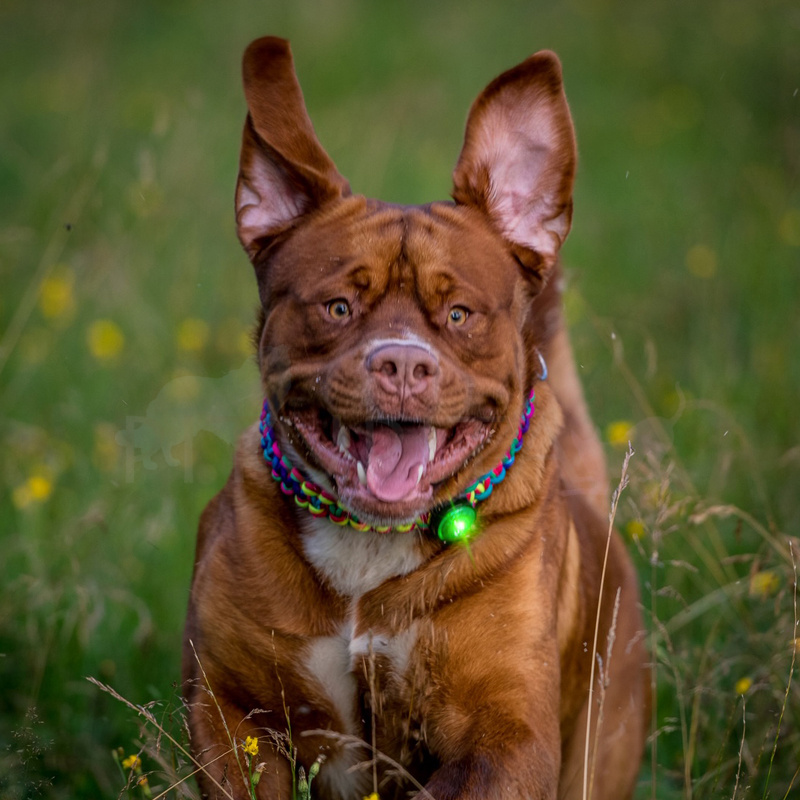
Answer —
(119, 138)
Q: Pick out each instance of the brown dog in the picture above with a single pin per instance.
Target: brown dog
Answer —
(356, 596)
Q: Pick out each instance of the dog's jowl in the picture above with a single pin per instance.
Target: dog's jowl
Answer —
(397, 588)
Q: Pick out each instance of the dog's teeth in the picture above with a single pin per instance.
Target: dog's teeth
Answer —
(419, 475)
(431, 444)
(362, 473)
(343, 440)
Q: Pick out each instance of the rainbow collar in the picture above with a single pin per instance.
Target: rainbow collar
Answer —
(453, 522)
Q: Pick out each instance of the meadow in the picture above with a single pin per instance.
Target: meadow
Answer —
(126, 368)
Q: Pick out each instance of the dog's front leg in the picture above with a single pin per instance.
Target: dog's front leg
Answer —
(523, 764)
(496, 730)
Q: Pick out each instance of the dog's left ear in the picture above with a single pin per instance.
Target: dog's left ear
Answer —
(518, 161)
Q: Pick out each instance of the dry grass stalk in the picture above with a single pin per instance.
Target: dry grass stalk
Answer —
(588, 774)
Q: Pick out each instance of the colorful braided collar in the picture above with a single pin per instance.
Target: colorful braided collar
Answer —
(451, 523)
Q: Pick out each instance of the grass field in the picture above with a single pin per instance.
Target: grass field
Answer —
(125, 304)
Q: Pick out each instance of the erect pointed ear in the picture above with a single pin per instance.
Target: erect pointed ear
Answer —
(283, 171)
(518, 160)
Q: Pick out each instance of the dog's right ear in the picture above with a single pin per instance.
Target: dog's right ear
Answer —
(284, 172)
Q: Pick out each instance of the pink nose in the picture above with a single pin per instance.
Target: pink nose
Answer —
(402, 368)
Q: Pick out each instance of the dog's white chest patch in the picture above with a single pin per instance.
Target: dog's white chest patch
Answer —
(355, 562)
(328, 665)
(332, 664)
(397, 649)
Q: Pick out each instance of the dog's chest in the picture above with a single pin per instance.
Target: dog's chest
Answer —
(353, 563)
(346, 668)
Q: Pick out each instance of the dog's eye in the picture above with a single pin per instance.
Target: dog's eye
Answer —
(339, 309)
(458, 315)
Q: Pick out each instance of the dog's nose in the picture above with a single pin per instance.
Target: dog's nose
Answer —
(402, 368)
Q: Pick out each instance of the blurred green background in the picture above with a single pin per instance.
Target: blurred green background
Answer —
(125, 305)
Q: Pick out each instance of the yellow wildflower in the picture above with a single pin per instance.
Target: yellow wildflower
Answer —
(244, 343)
(56, 298)
(183, 388)
(701, 261)
(35, 490)
(373, 796)
(635, 529)
(672, 402)
(764, 583)
(131, 762)
(192, 335)
(619, 433)
(40, 487)
(250, 746)
(743, 685)
(105, 339)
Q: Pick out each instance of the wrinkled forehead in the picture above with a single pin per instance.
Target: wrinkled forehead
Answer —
(370, 241)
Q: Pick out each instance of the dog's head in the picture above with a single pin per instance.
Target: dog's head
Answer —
(396, 343)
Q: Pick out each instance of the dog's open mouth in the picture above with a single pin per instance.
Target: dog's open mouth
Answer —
(387, 467)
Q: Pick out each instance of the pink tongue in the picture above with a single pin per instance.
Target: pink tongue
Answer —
(394, 461)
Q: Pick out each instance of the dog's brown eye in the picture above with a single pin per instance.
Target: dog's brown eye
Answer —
(458, 315)
(339, 309)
